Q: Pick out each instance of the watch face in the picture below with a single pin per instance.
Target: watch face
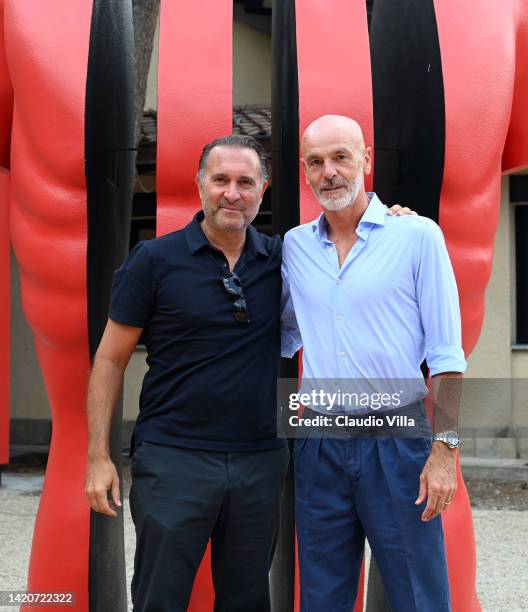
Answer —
(452, 438)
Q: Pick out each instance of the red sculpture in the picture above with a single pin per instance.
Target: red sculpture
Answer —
(46, 46)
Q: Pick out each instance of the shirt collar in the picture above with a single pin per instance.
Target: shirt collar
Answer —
(374, 215)
(197, 240)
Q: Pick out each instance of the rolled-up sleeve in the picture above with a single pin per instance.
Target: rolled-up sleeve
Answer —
(291, 340)
(438, 303)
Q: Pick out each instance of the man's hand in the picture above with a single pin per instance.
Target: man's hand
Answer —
(102, 477)
(438, 480)
(400, 211)
(116, 347)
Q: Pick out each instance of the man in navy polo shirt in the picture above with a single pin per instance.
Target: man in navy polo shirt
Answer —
(207, 462)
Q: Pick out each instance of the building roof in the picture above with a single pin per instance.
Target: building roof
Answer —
(249, 120)
(254, 120)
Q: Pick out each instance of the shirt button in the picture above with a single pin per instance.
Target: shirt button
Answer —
(338, 281)
(339, 317)
(225, 265)
(341, 354)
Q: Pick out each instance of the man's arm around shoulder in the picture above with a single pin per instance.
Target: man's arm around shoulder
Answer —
(106, 380)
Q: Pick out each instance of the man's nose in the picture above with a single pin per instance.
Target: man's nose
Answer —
(232, 194)
(328, 170)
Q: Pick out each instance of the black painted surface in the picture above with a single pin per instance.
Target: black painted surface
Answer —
(109, 142)
(285, 215)
(284, 118)
(408, 98)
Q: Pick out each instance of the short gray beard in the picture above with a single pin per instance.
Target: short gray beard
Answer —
(212, 219)
(344, 201)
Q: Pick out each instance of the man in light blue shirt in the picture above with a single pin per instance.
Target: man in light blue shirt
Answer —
(371, 296)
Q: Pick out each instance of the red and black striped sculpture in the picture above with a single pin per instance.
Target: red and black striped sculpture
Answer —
(440, 91)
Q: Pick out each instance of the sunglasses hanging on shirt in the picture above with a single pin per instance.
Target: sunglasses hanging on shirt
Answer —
(233, 286)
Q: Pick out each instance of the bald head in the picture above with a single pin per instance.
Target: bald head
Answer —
(335, 161)
(330, 129)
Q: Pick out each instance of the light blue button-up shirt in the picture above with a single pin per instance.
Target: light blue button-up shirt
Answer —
(392, 303)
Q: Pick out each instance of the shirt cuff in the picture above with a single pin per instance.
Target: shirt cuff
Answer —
(290, 344)
(446, 359)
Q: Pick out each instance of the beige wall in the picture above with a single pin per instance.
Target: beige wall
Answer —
(251, 66)
(151, 98)
(493, 357)
(28, 397)
(133, 378)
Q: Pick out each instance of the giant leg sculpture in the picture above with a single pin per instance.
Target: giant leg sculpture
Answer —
(68, 232)
(445, 105)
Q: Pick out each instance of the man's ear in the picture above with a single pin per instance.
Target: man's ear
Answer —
(367, 160)
(265, 185)
(305, 171)
(198, 183)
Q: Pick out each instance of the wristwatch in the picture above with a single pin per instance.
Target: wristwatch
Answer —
(451, 438)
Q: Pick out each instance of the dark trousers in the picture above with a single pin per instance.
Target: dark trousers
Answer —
(182, 498)
(349, 488)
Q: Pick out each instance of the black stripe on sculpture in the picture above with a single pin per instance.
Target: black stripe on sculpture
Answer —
(408, 100)
(284, 118)
(109, 142)
(286, 214)
(409, 129)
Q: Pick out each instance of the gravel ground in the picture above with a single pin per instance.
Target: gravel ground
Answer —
(500, 519)
(496, 495)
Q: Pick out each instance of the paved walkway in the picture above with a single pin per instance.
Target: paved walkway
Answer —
(502, 546)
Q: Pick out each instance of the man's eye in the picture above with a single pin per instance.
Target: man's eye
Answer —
(341, 157)
(314, 162)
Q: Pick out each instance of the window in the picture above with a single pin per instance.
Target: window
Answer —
(519, 196)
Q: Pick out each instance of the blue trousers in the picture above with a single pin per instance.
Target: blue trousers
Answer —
(349, 488)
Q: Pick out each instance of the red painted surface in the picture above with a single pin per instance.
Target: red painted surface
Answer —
(515, 155)
(6, 98)
(485, 70)
(332, 44)
(6, 111)
(481, 81)
(194, 107)
(47, 50)
(194, 100)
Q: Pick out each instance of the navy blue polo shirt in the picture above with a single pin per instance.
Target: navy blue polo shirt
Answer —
(211, 381)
